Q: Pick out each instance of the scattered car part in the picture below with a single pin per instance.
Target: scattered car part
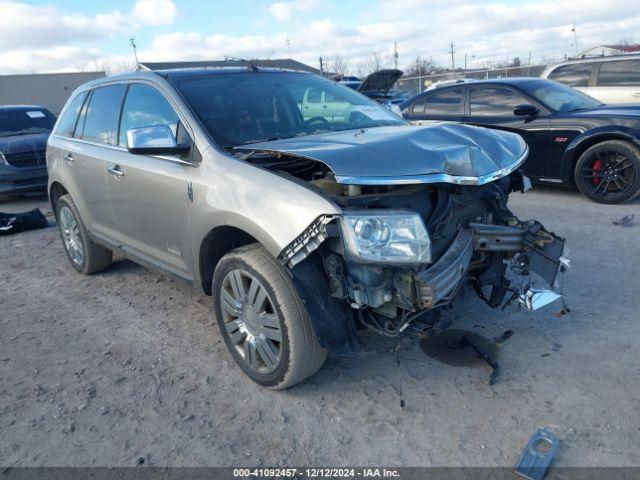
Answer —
(19, 222)
(626, 221)
(537, 455)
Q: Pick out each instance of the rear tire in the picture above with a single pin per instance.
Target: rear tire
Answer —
(256, 305)
(84, 254)
(609, 172)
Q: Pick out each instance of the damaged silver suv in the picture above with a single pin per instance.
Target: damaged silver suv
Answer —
(306, 210)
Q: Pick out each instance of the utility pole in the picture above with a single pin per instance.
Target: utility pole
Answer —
(529, 65)
(321, 67)
(132, 41)
(575, 37)
(395, 54)
(453, 64)
(288, 42)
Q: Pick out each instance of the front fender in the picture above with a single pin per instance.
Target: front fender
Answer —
(589, 138)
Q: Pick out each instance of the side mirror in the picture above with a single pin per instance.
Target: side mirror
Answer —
(526, 110)
(154, 140)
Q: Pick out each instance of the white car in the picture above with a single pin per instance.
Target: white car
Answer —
(614, 79)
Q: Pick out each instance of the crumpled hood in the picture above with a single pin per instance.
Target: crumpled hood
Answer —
(23, 143)
(445, 152)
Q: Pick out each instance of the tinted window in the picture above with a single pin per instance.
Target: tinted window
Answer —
(144, 106)
(559, 97)
(447, 101)
(417, 108)
(576, 75)
(620, 73)
(101, 115)
(67, 122)
(494, 101)
(25, 121)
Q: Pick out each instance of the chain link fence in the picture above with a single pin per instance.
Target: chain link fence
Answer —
(418, 84)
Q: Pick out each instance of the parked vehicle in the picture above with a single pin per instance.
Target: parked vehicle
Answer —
(613, 80)
(573, 139)
(379, 86)
(24, 130)
(301, 229)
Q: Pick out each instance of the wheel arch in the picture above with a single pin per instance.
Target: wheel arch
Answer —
(583, 142)
(216, 244)
(56, 190)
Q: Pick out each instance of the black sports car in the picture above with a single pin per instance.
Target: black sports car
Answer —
(573, 139)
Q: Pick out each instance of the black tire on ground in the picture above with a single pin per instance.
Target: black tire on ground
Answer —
(591, 181)
(300, 353)
(95, 256)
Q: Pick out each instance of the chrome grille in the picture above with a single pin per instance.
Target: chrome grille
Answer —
(27, 159)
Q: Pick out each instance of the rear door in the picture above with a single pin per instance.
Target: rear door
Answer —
(438, 105)
(617, 82)
(149, 195)
(493, 105)
(85, 156)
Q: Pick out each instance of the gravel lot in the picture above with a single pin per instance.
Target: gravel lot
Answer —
(127, 364)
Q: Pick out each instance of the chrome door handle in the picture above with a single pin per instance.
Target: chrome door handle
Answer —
(635, 94)
(115, 171)
(69, 158)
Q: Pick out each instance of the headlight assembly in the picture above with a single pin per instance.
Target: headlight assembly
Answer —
(386, 237)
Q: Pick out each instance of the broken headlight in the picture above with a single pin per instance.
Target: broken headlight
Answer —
(386, 237)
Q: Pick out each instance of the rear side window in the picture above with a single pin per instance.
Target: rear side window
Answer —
(417, 108)
(144, 106)
(445, 102)
(100, 122)
(575, 75)
(494, 101)
(621, 73)
(67, 122)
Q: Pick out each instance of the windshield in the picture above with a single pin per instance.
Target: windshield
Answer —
(24, 122)
(244, 108)
(559, 97)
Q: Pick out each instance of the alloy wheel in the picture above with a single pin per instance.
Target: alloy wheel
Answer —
(251, 321)
(608, 174)
(71, 235)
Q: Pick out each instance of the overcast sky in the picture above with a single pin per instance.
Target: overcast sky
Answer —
(81, 34)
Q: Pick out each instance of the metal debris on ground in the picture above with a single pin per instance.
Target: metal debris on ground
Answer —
(626, 221)
(537, 455)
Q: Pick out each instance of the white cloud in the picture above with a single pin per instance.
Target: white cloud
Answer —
(283, 11)
(33, 39)
(155, 12)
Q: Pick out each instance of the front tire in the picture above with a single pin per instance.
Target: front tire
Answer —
(609, 172)
(263, 320)
(84, 254)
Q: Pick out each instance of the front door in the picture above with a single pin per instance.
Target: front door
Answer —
(149, 195)
(492, 106)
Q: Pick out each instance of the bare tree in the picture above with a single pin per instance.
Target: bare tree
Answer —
(338, 65)
(421, 67)
(373, 63)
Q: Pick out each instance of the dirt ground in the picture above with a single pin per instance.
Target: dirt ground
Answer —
(128, 365)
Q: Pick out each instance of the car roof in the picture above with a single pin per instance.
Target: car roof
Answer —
(573, 61)
(22, 107)
(184, 72)
(514, 81)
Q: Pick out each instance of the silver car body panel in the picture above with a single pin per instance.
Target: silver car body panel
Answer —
(409, 154)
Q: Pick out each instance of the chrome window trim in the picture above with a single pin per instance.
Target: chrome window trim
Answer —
(435, 177)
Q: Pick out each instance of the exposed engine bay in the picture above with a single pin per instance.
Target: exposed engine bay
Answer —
(475, 243)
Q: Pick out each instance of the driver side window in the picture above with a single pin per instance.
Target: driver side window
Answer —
(144, 106)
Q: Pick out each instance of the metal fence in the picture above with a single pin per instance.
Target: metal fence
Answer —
(416, 85)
